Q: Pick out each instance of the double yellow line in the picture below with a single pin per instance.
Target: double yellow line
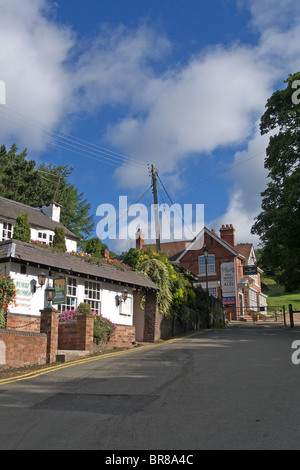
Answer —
(48, 370)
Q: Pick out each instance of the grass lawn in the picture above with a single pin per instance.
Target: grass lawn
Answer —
(277, 295)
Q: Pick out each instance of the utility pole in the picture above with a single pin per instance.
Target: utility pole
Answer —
(154, 190)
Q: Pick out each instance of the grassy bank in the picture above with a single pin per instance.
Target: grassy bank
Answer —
(277, 295)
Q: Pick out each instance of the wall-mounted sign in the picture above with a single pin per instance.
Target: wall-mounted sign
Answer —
(60, 291)
(249, 270)
(229, 301)
(228, 284)
(24, 294)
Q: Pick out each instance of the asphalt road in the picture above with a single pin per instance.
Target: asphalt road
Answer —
(221, 389)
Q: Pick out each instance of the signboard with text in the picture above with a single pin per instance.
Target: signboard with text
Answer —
(249, 270)
(24, 294)
(60, 291)
(228, 284)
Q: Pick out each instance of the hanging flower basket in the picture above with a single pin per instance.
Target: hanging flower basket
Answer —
(8, 294)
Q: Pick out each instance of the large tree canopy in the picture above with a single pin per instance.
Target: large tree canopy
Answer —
(22, 181)
(278, 225)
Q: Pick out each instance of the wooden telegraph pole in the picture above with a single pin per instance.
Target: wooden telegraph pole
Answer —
(154, 190)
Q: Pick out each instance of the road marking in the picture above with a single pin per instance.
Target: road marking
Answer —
(32, 375)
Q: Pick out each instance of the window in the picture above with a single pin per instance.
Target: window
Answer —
(210, 265)
(92, 295)
(71, 300)
(213, 291)
(42, 237)
(252, 299)
(7, 231)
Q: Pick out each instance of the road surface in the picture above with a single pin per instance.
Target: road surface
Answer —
(235, 388)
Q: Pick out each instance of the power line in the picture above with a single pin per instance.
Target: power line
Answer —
(174, 205)
(55, 137)
(221, 172)
(125, 213)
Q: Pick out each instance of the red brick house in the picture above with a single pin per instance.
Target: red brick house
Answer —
(231, 269)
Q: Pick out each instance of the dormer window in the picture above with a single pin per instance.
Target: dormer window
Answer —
(42, 237)
(7, 231)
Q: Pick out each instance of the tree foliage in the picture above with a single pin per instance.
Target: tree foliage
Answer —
(23, 181)
(177, 295)
(132, 258)
(22, 229)
(59, 240)
(278, 224)
(94, 247)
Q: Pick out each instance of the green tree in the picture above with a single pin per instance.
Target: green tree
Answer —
(94, 247)
(132, 258)
(278, 224)
(59, 240)
(22, 181)
(22, 229)
(157, 271)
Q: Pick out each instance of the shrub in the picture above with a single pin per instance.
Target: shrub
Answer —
(103, 327)
(84, 308)
(22, 229)
(59, 240)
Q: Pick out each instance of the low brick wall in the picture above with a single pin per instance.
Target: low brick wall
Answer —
(78, 335)
(21, 349)
(67, 336)
(124, 337)
(21, 322)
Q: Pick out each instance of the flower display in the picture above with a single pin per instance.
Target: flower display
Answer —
(103, 327)
(8, 294)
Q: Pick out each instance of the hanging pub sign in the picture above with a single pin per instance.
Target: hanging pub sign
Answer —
(249, 270)
(60, 291)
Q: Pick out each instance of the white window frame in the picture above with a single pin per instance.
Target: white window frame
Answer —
(211, 265)
(7, 228)
(71, 297)
(92, 295)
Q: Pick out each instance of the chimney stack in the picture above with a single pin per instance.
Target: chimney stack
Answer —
(52, 211)
(105, 253)
(227, 233)
(140, 239)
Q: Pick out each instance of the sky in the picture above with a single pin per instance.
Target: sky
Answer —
(111, 87)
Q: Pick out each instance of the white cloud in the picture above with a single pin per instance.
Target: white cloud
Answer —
(210, 102)
(33, 50)
(249, 178)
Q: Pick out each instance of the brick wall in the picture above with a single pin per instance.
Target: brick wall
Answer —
(152, 318)
(123, 337)
(67, 336)
(21, 349)
(21, 322)
(78, 335)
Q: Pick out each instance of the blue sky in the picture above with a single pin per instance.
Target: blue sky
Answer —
(181, 84)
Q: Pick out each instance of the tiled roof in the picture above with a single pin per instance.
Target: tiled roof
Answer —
(244, 249)
(12, 209)
(19, 251)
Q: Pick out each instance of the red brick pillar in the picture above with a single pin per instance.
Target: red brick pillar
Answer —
(85, 333)
(152, 318)
(49, 325)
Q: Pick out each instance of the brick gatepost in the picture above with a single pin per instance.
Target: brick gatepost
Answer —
(85, 333)
(152, 318)
(49, 325)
